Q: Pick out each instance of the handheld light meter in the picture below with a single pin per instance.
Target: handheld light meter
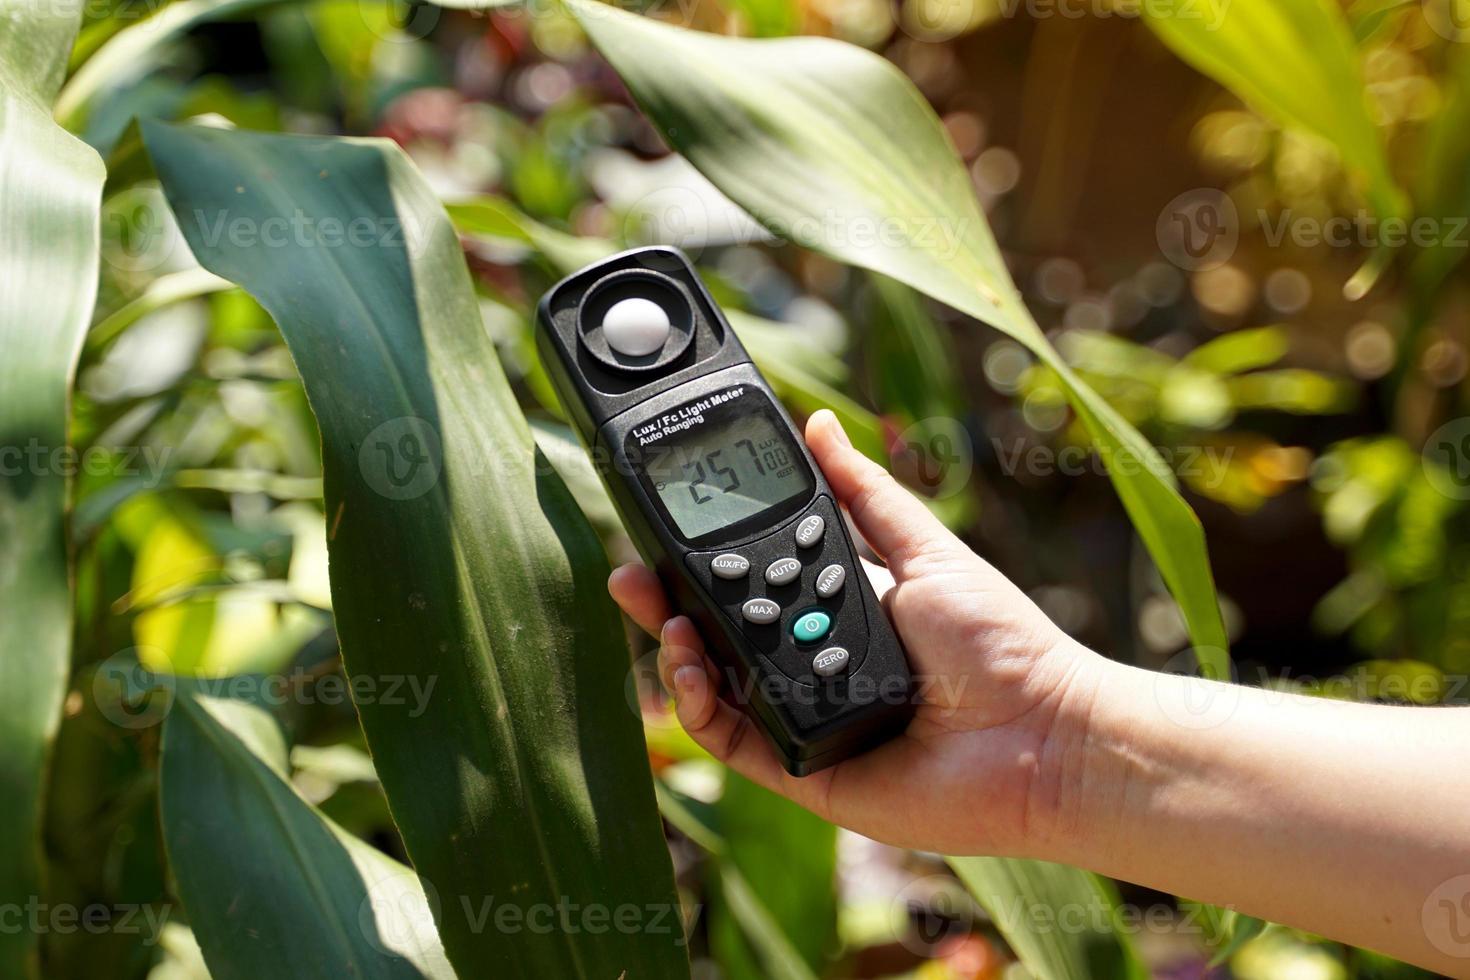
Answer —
(720, 495)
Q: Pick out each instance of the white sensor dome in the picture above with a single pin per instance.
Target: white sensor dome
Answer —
(636, 327)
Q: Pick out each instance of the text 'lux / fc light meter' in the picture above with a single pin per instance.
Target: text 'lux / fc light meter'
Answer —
(719, 493)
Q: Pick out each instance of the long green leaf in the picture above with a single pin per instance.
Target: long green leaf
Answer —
(1295, 61)
(1062, 922)
(131, 53)
(266, 879)
(788, 857)
(457, 557)
(50, 192)
(779, 958)
(829, 145)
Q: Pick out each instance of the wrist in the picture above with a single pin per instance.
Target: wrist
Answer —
(1106, 743)
(1059, 799)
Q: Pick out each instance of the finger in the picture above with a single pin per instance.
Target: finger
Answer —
(641, 595)
(893, 520)
(680, 645)
(722, 730)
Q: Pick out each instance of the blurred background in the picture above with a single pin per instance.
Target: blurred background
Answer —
(1296, 419)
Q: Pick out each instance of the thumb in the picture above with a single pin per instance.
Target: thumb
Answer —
(894, 522)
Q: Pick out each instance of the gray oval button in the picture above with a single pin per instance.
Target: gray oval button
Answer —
(831, 661)
(809, 531)
(730, 566)
(783, 571)
(829, 583)
(761, 611)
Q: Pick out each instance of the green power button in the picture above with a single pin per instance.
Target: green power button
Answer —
(811, 626)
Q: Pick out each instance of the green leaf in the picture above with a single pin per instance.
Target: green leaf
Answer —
(1296, 62)
(1240, 351)
(913, 364)
(779, 959)
(1238, 930)
(265, 878)
(458, 559)
(778, 350)
(830, 146)
(130, 54)
(49, 242)
(165, 291)
(1061, 922)
(1442, 189)
(787, 856)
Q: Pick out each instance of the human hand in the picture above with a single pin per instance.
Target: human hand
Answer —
(1005, 694)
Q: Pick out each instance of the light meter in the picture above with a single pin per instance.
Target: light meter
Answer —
(720, 495)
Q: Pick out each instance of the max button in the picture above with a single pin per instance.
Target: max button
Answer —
(762, 612)
(730, 566)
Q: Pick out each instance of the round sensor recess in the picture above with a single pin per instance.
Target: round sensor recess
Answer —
(636, 327)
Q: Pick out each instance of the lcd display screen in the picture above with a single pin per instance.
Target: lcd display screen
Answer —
(725, 471)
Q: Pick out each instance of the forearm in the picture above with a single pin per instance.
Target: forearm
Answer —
(1347, 820)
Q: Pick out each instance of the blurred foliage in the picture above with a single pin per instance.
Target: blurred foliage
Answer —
(1298, 421)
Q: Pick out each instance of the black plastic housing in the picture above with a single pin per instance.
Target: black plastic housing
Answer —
(811, 721)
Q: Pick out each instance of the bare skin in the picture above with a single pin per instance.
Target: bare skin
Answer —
(1351, 821)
